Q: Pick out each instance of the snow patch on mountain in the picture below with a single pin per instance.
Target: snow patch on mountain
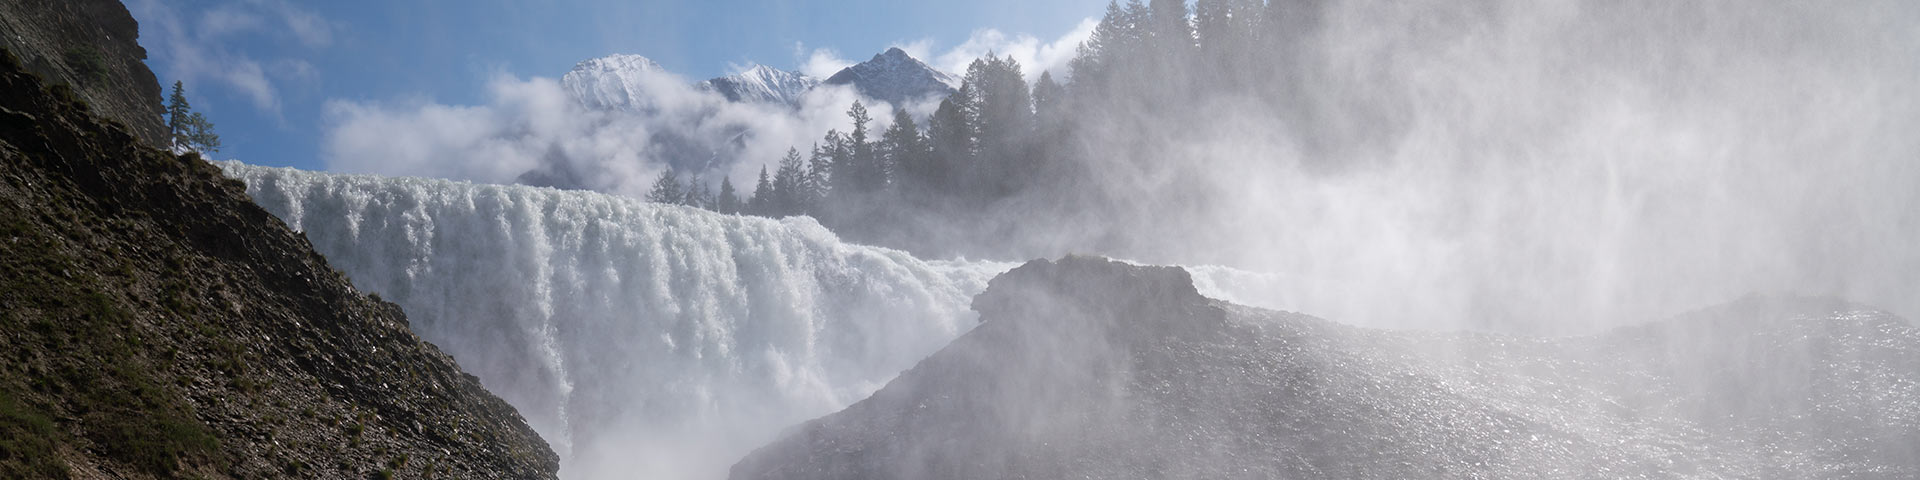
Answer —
(614, 82)
(622, 82)
(762, 84)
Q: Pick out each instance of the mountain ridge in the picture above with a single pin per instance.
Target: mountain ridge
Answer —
(762, 84)
(612, 82)
(618, 81)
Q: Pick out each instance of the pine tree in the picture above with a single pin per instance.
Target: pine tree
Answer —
(819, 173)
(904, 150)
(762, 202)
(1138, 21)
(867, 174)
(697, 195)
(729, 201)
(840, 171)
(950, 133)
(1002, 101)
(186, 128)
(790, 185)
(1003, 115)
(1047, 98)
(177, 111)
(667, 189)
(1095, 57)
(1169, 27)
(201, 136)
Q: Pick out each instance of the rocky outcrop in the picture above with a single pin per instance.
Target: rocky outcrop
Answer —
(92, 46)
(1088, 368)
(159, 324)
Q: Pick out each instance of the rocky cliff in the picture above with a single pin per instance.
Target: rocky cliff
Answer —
(158, 324)
(1087, 368)
(92, 46)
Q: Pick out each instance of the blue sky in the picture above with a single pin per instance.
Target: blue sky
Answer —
(263, 70)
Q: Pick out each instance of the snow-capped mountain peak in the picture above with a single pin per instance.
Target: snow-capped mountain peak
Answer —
(623, 82)
(895, 76)
(762, 84)
(619, 62)
(612, 82)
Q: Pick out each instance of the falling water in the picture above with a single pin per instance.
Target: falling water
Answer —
(641, 340)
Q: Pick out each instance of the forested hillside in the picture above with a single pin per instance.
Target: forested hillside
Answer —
(999, 156)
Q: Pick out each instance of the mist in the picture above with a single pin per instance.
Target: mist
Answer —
(638, 339)
(1548, 168)
(1543, 167)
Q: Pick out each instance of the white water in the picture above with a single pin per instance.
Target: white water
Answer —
(641, 340)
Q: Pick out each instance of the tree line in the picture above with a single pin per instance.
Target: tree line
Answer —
(1002, 149)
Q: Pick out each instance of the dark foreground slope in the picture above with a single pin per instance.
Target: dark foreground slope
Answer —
(1086, 368)
(156, 323)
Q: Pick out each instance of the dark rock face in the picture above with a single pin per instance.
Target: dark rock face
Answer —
(92, 46)
(1087, 368)
(159, 324)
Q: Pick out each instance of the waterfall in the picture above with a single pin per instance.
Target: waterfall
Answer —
(641, 340)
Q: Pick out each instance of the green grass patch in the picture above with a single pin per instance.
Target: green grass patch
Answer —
(93, 364)
(28, 441)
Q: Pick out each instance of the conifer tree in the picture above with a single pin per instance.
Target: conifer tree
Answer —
(1116, 33)
(1138, 21)
(729, 200)
(904, 150)
(186, 128)
(790, 185)
(1003, 115)
(697, 195)
(819, 172)
(667, 189)
(1169, 27)
(865, 166)
(762, 202)
(951, 136)
(1047, 98)
(840, 176)
(177, 111)
(1003, 105)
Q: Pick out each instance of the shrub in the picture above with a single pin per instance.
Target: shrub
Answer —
(88, 65)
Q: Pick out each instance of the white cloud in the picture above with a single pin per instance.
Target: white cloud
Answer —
(196, 52)
(921, 49)
(1034, 55)
(820, 62)
(228, 20)
(246, 76)
(534, 124)
(310, 28)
